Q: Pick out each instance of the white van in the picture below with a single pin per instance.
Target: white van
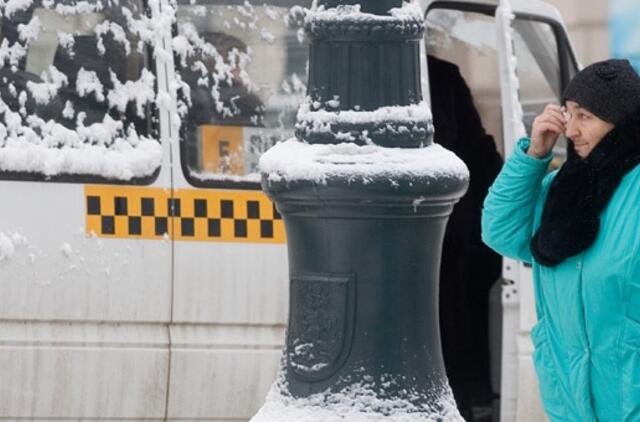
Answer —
(143, 274)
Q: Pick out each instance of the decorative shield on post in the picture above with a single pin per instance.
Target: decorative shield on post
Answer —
(322, 321)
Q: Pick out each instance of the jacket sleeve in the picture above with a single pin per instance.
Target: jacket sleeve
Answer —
(509, 208)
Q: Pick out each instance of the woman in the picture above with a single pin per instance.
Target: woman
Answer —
(579, 228)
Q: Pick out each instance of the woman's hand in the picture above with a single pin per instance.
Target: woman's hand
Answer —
(547, 127)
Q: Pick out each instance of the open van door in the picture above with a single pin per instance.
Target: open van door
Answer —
(515, 275)
(513, 66)
(536, 64)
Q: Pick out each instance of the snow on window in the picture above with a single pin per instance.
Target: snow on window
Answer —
(79, 8)
(68, 111)
(452, 25)
(118, 33)
(52, 81)
(87, 82)
(76, 94)
(13, 6)
(140, 92)
(66, 41)
(30, 31)
(242, 76)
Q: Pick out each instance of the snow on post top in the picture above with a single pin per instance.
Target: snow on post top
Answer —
(379, 7)
(320, 118)
(351, 22)
(392, 126)
(377, 98)
(292, 161)
(353, 13)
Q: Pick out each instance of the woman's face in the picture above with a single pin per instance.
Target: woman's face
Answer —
(584, 128)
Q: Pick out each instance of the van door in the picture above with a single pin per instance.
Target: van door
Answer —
(465, 102)
(242, 75)
(85, 262)
(471, 42)
(536, 63)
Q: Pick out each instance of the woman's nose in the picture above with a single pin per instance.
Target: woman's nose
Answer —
(571, 129)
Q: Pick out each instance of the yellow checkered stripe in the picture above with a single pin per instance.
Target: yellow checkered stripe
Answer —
(182, 214)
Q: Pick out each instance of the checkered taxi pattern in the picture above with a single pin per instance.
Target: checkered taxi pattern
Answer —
(188, 214)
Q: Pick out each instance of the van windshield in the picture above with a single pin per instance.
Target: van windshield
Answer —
(75, 84)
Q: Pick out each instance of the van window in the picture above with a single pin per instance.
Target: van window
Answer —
(243, 73)
(467, 40)
(538, 69)
(76, 93)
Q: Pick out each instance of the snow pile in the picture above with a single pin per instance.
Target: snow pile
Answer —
(44, 91)
(152, 30)
(121, 161)
(99, 149)
(81, 7)
(141, 92)
(118, 32)
(11, 53)
(31, 31)
(189, 45)
(357, 403)
(8, 244)
(293, 160)
(87, 82)
(66, 41)
(223, 177)
(409, 12)
(12, 6)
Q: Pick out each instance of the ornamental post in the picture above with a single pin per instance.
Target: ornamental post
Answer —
(365, 196)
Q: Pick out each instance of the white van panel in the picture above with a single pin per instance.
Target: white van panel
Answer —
(231, 283)
(82, 370)
(222, 372)
(529, 407)
(529, 404)
(62, 273)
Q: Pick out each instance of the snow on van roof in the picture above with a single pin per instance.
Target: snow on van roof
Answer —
(293, 160)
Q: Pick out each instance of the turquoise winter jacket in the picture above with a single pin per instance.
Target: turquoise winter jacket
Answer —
(587, 338)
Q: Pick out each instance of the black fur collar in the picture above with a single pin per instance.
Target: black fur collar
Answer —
(581, 190)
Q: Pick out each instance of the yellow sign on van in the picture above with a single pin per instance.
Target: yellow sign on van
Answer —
(184, 214)
(222, 149)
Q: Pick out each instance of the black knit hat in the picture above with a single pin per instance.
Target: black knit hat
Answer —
(609, 89)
